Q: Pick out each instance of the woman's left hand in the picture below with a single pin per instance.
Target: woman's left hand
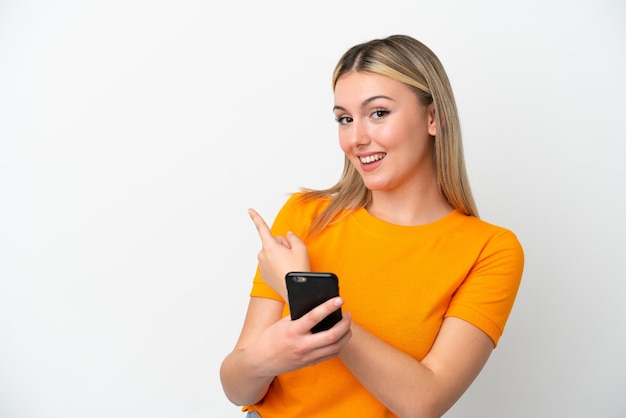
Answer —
(279, 255)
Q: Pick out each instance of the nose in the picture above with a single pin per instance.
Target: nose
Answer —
(360, 134)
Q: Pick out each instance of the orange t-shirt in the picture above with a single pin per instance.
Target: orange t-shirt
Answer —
(399, 283)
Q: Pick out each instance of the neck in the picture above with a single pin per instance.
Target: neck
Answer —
(409, 208)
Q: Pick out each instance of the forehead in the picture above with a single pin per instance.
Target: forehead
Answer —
(359, 86)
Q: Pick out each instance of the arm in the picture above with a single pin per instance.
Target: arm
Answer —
(278, 255)
(243, 379)
(269, 346)
(410, 388)
(407, 387)
(428, 388)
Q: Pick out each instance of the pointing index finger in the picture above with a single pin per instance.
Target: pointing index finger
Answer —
(264, 231)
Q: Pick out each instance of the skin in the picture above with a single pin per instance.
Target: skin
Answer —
(270, 345)
(377, 116)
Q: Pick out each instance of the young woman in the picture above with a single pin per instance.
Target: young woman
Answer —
(426, 286)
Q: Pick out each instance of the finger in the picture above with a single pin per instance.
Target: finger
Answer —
(294, 241)
(335, 338)
(264, 231)
(332, 341)
(283, 241)
(320, 312)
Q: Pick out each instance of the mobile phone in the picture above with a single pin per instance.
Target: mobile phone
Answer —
(306, 290)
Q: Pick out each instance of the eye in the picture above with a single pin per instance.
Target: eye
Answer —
(343, 120)
(379, 114)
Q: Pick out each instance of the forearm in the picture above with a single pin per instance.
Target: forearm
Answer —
(410, 388)
(242, 380)
(401, 383)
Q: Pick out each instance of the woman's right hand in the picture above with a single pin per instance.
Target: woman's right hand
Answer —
(289, 345)
(269, 346)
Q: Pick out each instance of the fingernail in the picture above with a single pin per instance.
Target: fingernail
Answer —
(338, 302)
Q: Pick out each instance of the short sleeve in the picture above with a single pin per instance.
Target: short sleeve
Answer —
(486, 296)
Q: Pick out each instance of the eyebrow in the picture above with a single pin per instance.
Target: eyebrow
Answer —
(366, 101)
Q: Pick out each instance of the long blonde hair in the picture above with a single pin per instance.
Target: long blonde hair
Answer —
(408, 61)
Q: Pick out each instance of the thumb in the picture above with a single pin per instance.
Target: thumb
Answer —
(294, 241)
(283, 241)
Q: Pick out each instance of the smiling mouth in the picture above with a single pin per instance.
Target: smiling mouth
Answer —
(372, 158)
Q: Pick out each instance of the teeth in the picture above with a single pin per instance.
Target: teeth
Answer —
(371, 158)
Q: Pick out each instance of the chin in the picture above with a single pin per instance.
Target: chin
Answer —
(377, 187)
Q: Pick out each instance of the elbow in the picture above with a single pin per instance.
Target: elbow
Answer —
(423, 407)
(227, 387)
(239, 400)
(237, 392)
(419, 413)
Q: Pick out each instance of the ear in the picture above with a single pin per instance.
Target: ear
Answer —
(432, 120)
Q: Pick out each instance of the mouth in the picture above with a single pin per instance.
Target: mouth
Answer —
(372, 158)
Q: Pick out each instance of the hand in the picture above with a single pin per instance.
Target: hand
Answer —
(289, 345)
(279, 255)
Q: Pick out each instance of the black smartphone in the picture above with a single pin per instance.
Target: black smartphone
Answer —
(306, 290)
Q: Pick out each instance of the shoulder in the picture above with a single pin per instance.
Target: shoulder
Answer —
(498, 246)
(496, 263)
(303, 201)
(487, 242)
(298, 212)
(503, 238)
(487, 232)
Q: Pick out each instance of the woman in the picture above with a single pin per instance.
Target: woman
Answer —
(426, 287)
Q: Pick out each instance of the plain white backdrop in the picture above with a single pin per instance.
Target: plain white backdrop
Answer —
(134, 135)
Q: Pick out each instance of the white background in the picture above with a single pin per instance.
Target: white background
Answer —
(134, 135)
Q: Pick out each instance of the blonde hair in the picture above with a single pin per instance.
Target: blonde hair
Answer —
(408, 61)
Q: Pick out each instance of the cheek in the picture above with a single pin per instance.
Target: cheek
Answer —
(344, 142)
(388, 135)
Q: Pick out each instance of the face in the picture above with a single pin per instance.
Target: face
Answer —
(384, 131)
